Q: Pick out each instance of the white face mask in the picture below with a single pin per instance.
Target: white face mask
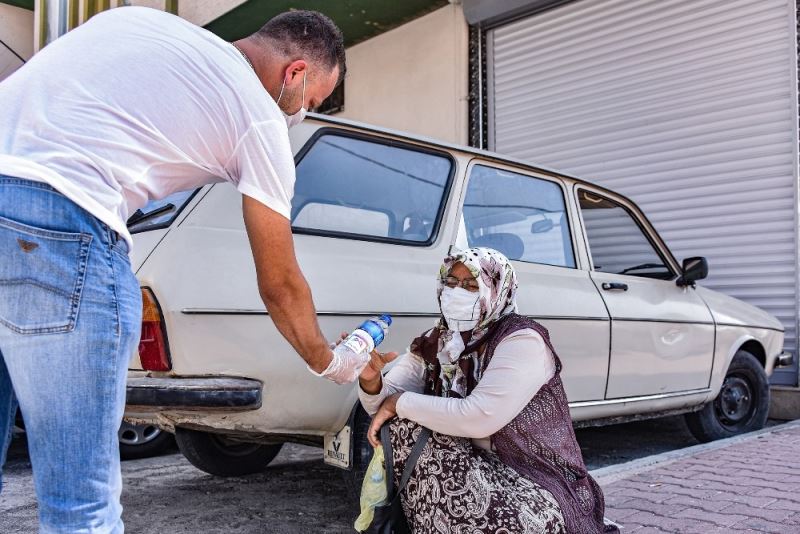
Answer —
(297, 118)
(460, 308)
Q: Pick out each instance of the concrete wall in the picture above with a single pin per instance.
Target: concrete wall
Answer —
(199, 12)
(413, 78)
(16, 30)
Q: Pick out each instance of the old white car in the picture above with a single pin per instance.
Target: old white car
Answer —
(374, 213)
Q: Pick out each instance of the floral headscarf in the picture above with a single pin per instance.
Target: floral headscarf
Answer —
(453, 359)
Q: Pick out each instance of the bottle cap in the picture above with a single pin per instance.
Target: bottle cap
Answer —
(386, 318)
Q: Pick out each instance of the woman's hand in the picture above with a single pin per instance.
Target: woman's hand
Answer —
(370, 378)
(386, 412)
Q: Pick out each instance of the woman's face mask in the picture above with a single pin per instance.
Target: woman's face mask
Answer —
(460, 308)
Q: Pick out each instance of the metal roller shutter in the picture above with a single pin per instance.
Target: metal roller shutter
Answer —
(687, 107)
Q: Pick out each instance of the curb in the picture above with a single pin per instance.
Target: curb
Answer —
(612, 473)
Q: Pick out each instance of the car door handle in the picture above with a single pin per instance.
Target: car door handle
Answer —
(615, 286)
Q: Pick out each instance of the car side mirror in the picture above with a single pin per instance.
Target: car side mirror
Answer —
(693, 269)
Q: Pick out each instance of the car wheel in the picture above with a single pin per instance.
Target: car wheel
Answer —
(742, 404)
(362, 454)
(142, 441)
(218, 455)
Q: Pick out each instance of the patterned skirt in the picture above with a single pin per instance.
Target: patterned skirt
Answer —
(457, 488)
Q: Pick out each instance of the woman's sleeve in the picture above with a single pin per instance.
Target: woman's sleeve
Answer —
(521, 365)
(407, 375)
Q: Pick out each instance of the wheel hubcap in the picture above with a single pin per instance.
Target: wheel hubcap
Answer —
(137, 434)
(734, 404)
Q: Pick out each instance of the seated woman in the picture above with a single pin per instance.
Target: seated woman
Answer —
(503, 455)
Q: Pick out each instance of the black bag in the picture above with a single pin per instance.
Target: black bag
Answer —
(389, 518)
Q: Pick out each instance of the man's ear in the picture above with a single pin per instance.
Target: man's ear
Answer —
(296, 68)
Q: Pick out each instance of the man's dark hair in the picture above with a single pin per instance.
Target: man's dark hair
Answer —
(307, 34)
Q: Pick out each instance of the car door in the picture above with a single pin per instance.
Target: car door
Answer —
(662, 335)
(525, 216)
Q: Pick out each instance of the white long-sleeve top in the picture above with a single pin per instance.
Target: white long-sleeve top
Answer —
(521, 365)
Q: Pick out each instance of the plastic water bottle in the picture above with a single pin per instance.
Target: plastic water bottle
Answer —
(366, 337)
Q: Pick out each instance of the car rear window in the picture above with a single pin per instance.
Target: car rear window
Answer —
(373, 189)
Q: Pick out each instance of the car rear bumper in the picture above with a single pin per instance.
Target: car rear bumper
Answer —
(195, 393)
(784, 359)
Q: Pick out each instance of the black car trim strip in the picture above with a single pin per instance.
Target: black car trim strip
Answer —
(209, 392)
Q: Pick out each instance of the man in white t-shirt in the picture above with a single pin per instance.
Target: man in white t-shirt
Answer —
(132, 106)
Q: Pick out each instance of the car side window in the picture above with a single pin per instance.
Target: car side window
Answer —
(523, 217)
(370, 189)
(617, 242)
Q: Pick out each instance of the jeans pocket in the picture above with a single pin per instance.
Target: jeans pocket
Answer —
(41, 277)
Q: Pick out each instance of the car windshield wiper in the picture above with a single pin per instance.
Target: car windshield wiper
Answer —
(138, 216)
(642, 266)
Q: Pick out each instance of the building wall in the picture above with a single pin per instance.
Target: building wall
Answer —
(16, 30)
(413, 78)
(199, 12)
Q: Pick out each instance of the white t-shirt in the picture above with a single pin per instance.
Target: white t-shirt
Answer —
(137, 104)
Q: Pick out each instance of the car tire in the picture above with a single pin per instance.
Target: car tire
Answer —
(142, 441)
(217, 455)
(362, 454)
(742, 404)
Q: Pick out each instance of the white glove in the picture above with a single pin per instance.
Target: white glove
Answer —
(344, 368)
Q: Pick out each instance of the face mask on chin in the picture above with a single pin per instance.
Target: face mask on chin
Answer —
(296, 118)
(459, 308)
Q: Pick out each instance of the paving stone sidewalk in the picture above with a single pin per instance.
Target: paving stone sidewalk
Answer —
(748, 483)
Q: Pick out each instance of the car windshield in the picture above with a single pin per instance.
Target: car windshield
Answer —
(159, 213)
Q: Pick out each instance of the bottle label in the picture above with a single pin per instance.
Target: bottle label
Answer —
(359, 341)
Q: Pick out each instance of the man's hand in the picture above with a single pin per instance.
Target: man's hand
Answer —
(387, 411)
(345, 367)
(281, 284)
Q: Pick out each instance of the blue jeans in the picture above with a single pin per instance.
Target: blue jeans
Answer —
(70, 319)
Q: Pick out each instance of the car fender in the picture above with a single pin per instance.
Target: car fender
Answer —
(724, 354)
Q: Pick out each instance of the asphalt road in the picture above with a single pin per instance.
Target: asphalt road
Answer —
(297, 493)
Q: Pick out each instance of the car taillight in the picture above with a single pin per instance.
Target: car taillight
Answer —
(153, 349)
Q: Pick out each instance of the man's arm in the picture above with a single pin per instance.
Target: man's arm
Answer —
(282, 286)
